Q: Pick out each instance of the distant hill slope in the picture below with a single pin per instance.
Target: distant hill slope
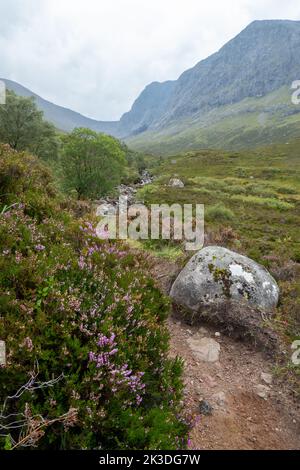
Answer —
(63, 118)
(249, 123)
(238, 97)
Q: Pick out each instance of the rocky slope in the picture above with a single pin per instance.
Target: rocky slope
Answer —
(261, 59)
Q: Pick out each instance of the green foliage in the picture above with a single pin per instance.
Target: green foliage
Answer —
(272, 203)
(92, 163)
(296, 256)
(219, 212)
(23, 128)
(24, 179)
(82, 311)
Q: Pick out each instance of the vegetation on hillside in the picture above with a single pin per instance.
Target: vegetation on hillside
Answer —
(250, 123)
(22, 127)
(86, 164)
(252, 205)
(87, 348)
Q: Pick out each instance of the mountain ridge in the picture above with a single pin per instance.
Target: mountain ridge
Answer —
(64, 118)
(262, 58)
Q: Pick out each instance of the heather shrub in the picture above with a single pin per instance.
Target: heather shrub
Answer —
(87, 362)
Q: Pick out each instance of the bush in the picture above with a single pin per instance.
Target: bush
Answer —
(219, 212)
(260, 190)
(296, 256)
(268, 202)
(92, 163)
(84, 329)
(22, 127)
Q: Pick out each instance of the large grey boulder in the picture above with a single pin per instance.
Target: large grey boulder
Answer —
(216, 275)
(176, 183)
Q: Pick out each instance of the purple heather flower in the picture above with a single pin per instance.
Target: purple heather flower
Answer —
(39, 247)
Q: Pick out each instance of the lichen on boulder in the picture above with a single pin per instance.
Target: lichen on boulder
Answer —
(216, 275)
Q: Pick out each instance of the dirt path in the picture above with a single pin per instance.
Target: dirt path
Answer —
(240, 419)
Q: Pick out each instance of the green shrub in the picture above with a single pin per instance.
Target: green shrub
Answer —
(83, 322)
(287, 190)
(260, 190)
(296, 256)
(212, 184)
(235, 189)
(219, 212)
(268, 202)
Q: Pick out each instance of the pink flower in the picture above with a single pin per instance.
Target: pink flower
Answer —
(39, 247)
(27, 343)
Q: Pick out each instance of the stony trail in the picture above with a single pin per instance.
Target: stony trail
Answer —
(248, 412)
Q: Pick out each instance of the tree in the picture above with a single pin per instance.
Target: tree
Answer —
(92, 163)
(23, 128)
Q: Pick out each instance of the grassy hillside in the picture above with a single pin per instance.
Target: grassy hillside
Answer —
(252, 205)
(252, 122)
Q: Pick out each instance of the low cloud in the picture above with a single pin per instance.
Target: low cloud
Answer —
(97, 56)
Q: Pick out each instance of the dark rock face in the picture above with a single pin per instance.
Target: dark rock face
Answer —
(148, 107)
(262, 58)
(216, 275)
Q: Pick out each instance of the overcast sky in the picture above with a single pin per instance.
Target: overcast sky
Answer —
(96, 56)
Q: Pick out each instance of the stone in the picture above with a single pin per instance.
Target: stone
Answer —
(220, 399)
(216, 275)
(146, 178)
(262, 391)
(202, 331)
(105, 209)
(209, 380)
(176, 183)
(267, 378)
(205, 349)
(205, 408)
(2, 353)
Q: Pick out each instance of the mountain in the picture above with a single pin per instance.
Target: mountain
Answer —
(238, 97)
(261, 59)
(63, 118)
(148, 108)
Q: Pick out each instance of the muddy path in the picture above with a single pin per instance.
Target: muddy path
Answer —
(250, 409)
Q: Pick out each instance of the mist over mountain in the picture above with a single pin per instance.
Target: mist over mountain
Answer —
(248, 77)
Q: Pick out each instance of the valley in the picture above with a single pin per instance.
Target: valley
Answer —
(138, 344)
(239, 97)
